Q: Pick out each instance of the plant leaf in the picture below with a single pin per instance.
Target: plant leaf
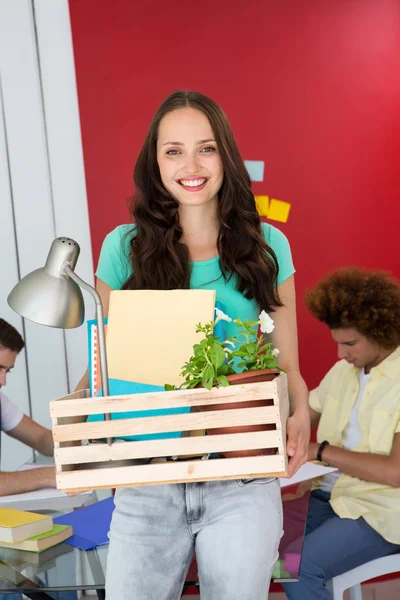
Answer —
(208, 377)
(218, 355)
(222, 381)
(169, 388)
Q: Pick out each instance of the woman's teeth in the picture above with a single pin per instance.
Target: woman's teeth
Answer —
(192, 182)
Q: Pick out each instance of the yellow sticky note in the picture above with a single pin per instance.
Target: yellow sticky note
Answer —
(278, 210)
(262, 205)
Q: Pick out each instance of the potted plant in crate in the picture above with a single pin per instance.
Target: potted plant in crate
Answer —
(243, 358)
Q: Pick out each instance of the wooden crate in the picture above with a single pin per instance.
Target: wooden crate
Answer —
(93, 466)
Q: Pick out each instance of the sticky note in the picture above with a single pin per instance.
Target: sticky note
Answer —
(278, 210)
(255, 169)
(262, 203)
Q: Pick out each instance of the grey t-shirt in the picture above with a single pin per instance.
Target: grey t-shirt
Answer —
(11, 415)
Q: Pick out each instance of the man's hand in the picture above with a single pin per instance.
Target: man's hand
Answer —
(27, 480)
(298, 437)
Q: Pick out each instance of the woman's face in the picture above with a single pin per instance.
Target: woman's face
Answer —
(188, 157)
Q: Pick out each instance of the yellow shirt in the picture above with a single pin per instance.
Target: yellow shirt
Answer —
(379, 421)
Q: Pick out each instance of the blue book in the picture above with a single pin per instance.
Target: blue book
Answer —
(90, 524)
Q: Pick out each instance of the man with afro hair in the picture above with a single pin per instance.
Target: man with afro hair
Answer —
(354, 513)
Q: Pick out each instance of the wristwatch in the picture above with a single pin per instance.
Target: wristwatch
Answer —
(321, 449)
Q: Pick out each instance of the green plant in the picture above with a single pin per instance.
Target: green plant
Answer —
(213, 360)
(255, 353)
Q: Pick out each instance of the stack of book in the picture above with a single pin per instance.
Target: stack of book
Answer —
(22, 530)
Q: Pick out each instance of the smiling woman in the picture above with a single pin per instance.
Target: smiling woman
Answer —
(190, 139)
(196, 226)
(193, 164)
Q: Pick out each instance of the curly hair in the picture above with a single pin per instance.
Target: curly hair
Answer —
(160, 259)
(368, 301)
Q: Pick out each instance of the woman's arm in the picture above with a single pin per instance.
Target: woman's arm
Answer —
(284, 337)
(377, 468)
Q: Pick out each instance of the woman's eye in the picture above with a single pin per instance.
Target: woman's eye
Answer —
(172, 152)
(208, 149)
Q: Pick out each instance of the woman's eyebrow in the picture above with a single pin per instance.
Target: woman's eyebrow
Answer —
(182, 144)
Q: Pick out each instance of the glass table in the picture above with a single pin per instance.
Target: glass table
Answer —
(65, 568)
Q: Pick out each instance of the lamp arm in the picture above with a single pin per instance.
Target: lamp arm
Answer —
(100, 331)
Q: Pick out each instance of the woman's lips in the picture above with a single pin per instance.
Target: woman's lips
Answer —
(193, 185)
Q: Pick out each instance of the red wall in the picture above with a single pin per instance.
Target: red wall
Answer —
(312, 88)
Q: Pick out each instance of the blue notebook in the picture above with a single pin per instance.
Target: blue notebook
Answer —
(90, 524)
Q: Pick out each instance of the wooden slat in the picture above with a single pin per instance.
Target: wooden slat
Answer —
(170, 447)
(157, 400)
(163, 424)
(77, 395)
(56, 447)
(281, 383)
(170, 472)
(284, 409)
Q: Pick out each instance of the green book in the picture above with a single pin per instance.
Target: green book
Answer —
(40, 542)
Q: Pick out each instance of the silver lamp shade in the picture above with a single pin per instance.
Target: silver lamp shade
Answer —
(52, 296)
(48, 295)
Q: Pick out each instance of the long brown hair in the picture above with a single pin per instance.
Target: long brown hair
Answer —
(160, 260)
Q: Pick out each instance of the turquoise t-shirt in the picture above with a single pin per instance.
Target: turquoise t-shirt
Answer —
(114, 268)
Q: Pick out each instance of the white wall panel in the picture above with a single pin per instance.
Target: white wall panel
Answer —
(31, 190)
(61, 111)
(12, 453)
(43, 165)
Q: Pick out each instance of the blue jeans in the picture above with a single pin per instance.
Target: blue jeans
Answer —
(333, 546)
(234, 527)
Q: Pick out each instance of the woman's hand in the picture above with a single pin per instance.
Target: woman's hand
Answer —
(312, 451)
(298, 438)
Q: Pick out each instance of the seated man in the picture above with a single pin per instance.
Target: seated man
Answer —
(354, 514)
(19, 426)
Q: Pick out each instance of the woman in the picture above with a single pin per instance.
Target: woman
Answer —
(196, 226)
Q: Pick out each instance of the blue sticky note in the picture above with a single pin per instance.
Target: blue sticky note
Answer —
(255, 169)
